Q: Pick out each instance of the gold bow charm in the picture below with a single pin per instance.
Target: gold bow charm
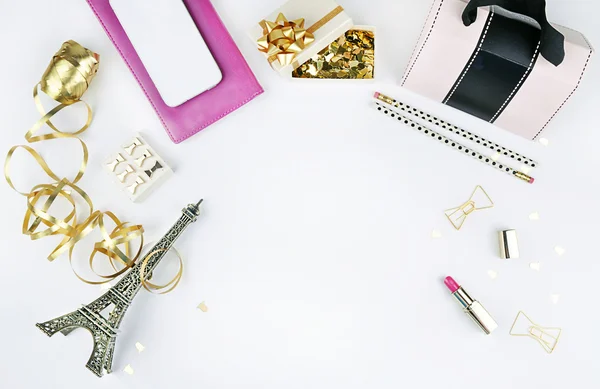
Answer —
(479, 200)
(284, 39)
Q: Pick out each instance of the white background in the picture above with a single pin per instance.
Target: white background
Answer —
(314, 254)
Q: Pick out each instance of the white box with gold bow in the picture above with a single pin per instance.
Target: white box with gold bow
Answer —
(315, 39)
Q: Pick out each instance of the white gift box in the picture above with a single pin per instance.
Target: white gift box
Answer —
(330, 18)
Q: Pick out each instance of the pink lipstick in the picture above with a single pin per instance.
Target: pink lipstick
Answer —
(472, 308)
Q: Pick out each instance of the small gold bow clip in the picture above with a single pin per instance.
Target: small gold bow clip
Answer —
(479, 200)
(547, 337)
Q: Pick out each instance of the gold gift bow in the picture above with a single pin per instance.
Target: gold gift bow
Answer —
(66, 79)
(283, 39)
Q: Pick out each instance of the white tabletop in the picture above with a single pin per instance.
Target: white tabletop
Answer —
(315, 253)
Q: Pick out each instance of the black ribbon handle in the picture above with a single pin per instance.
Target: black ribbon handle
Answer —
(552, 45)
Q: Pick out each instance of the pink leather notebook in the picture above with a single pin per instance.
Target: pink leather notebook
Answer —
(237, 87)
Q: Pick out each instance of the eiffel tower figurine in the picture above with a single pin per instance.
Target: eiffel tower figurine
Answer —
(104, 331)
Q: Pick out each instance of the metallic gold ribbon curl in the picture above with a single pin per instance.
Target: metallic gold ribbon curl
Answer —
(65, 80)
(122, 234)
(172, 284)
(55, 225)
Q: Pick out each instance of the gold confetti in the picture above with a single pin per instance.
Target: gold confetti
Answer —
(525, 169)
(535, 266)
(560, 251)
(140, 347)
(544, 141)
(534, 216)
(495, 157)
(203, 307)
(554, 298)
(351, 56)
(435, 234)
(493, 275)
(128, 369)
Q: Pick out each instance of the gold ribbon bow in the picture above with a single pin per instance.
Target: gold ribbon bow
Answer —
(70, 73)
(479, 200)
(283, 39)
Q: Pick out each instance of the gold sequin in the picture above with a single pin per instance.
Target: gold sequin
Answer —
(351, 56)
(435, 234)
(202, 306)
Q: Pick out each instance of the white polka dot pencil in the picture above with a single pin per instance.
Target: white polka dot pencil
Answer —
(455, 129)
(453, 144)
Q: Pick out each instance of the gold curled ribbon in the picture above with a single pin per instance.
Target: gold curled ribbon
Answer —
(284, 39)
(154, 288)
(65, 80)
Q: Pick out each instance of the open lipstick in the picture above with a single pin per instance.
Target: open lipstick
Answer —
(473, 308)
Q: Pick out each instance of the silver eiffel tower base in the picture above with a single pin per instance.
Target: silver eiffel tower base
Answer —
(117, 299)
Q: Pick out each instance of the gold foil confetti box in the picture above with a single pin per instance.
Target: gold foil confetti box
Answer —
(315, 39)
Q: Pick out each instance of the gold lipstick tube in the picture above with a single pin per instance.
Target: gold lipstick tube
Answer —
(475, 311)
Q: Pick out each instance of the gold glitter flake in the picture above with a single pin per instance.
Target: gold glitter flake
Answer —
(435, 234)
(202, 306)
(128, 369)
(492, 274)
(140, 347)
(535, 266)
(351, 56)
(560, 251)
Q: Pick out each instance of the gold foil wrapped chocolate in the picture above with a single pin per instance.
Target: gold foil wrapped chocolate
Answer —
(284, 39)
(351, 56)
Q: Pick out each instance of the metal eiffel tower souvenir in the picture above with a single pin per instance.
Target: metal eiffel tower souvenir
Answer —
(104, 331)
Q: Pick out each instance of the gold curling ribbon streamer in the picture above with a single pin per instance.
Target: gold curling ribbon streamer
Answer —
(66, 79)
(172, 284)
(284, 39)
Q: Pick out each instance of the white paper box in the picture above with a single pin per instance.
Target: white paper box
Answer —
(137, 169)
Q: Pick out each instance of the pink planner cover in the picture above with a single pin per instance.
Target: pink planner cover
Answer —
(237, 87)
